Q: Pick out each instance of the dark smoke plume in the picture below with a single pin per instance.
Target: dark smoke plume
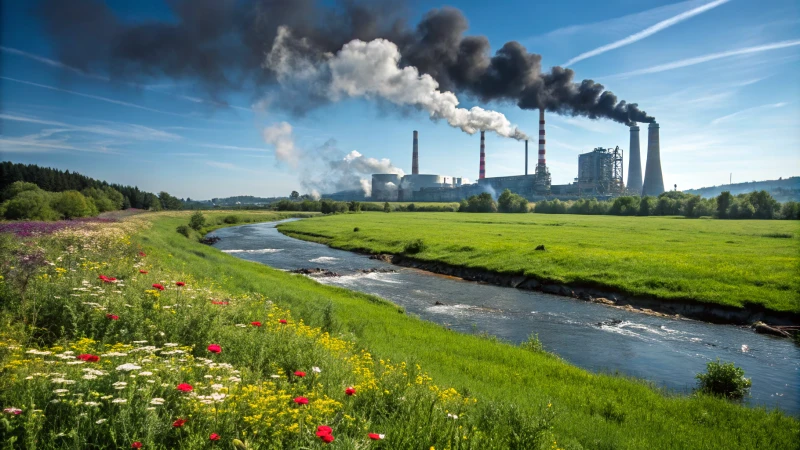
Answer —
(222, 44)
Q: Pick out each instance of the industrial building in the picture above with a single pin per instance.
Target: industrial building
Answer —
(600, 175)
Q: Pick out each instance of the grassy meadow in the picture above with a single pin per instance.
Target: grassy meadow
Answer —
(417, 384)
(727, 262)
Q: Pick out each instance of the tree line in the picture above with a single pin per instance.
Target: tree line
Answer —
(55, 180)
(753, 205)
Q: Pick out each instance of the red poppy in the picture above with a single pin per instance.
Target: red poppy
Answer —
(322, 430)
(213, 437)
(112, 317)
(142, 271)
(136, 444)
(216, 302)
(178, 423)
(375, 436)
(158, 286)
(185, 387)
(255, 324)
(328, 438)
(350, 391)
(180, 283)
(300, 373)
(107, 279)
(215, 348)
(88, 358)
(142, 254)
(301, 401)
(283, 321)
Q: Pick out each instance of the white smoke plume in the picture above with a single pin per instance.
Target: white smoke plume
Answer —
(371, 69)
(326, 169)
(280, 136)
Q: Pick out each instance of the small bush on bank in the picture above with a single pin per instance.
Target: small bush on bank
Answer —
(197, 221)
(184, 230)
(414, 247)
(724, 380)
(533, 344)
(232, 219)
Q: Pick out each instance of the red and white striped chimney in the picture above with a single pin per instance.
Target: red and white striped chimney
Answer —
(541, 138)
(482, 174)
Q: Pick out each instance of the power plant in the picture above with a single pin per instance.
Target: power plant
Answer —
(600, 174)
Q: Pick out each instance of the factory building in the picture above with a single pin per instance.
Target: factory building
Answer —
(600, 174)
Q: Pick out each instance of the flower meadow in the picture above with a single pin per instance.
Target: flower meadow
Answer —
(101, 347)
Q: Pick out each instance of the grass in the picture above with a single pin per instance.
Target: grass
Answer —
(519, 392)
(726, 262)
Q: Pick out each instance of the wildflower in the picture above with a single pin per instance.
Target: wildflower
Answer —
(275, 376)
(301, 401)
(316, 369)
(145, 374)
(300, 373)
(119, 400)
(143, 271)
(180, 283)
(119, 385)
(178, 423)
(452, 416)
(88, 358)
(127, 367)
(136, 444)
(323, 430)
(92, 404)
(215, 348)
(112, 317)
(107, 279)
(100, 421)
(350, 391)
(157, 401)
(185, 387)
(158, 286)
(171, 344)
(328, 438)
(217, 302)
(255, 324)
(142, 254)
(12, 410)
(213, 437)
(376, 437)
(283, 321)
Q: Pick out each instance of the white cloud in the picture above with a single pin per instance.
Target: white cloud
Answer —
(647, 32)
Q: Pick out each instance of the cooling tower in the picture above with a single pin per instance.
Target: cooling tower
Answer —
(634, 163)
(415, 157)
(653, 179)
(482, 173)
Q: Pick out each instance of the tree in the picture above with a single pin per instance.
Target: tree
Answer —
(169, 202)
(294, 195)
(16, 188)
(387, 207)
(724, 202)
(197, 221)
(509, 202)
(31, 204)
(72, 204)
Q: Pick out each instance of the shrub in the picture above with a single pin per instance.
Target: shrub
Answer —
(724, 380)
(72, 204)
(387, 207)
(533, 344)
(479, 203)
(414, 247)
(30, 204)
(197, 221)
(184, 230)
(356, 230)
(509, 202)
(232, 219)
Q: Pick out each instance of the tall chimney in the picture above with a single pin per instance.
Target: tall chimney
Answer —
(526, 156)
(415, 157)
(482, 174)
(653, 179)
(634, 163)
(541, 138)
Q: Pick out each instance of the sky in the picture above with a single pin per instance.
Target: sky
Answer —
(720, 77)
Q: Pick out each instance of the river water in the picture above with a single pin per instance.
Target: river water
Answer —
(668, 352)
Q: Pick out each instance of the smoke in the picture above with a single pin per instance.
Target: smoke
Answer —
(326, 168)
(371, 69)
(221, 44)
(280, 137)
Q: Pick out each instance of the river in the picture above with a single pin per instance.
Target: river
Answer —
(667, 352)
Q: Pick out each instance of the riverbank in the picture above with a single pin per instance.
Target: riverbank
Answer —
(646, 271)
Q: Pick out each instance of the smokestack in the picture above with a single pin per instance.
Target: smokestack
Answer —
(653, 179)
(482, 174)
(541, 138)
(415, 157)
(526, 156)
(634, 162)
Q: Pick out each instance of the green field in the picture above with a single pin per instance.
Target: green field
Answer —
(727, 262)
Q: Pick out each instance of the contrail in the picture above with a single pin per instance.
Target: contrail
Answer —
(663, 25)
(744, 111)
(707, 58)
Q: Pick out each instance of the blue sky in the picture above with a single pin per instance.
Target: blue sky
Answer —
(719, 76)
